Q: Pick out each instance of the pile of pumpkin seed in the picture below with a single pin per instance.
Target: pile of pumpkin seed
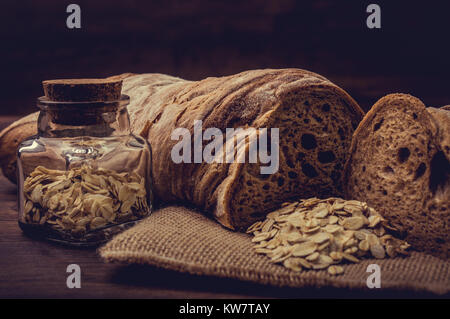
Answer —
(321, 233)
(83, 199)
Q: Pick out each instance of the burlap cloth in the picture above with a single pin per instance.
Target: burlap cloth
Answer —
(181, 239)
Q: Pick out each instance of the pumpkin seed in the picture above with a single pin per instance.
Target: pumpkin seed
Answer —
(83, 198)
(320, 233)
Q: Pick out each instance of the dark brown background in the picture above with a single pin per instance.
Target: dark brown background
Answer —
(194, 39)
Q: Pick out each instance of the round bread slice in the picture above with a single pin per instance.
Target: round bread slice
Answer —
(394, 165)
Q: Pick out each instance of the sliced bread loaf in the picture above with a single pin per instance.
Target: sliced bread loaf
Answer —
(398, 165)
(315, 118)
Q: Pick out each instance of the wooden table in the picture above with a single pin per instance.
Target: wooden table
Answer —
(31, 268)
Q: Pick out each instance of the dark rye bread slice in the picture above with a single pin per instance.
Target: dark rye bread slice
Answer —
(398, 167)
(315, 118)
(81, 90)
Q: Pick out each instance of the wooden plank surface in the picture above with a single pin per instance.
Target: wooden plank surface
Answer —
(37, 269)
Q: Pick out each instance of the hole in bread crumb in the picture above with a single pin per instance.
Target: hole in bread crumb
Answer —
(307, 103)
(439, 240)
(440, 171)
(306, 121)
(388, 170)
(369, 187)
(420, 171)
(290, 164)
(249, 183)
(377, 126)
(335, 175)
(280, 181)
(309, 170)
(326, 107)
(403, 154)
(363, 168)
(326, 157)
(318, 118)
(266, 187)
(384, 192)
(292, 174)
(341, 133)
(308, 141)
(415, 116)
(300, 156)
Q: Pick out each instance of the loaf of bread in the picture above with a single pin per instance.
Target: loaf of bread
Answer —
(10, 139)
(399, 164)
(316, 120)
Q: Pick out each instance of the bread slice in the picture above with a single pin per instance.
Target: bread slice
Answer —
(315, 118)
(397, 166)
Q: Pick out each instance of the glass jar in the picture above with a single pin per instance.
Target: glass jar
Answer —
(84, 177)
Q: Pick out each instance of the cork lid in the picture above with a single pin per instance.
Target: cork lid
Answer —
(82, 90)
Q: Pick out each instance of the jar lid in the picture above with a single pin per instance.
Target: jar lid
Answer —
(82, 113)
(83, 90)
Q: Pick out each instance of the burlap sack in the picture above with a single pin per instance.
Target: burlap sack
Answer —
(181, 239)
